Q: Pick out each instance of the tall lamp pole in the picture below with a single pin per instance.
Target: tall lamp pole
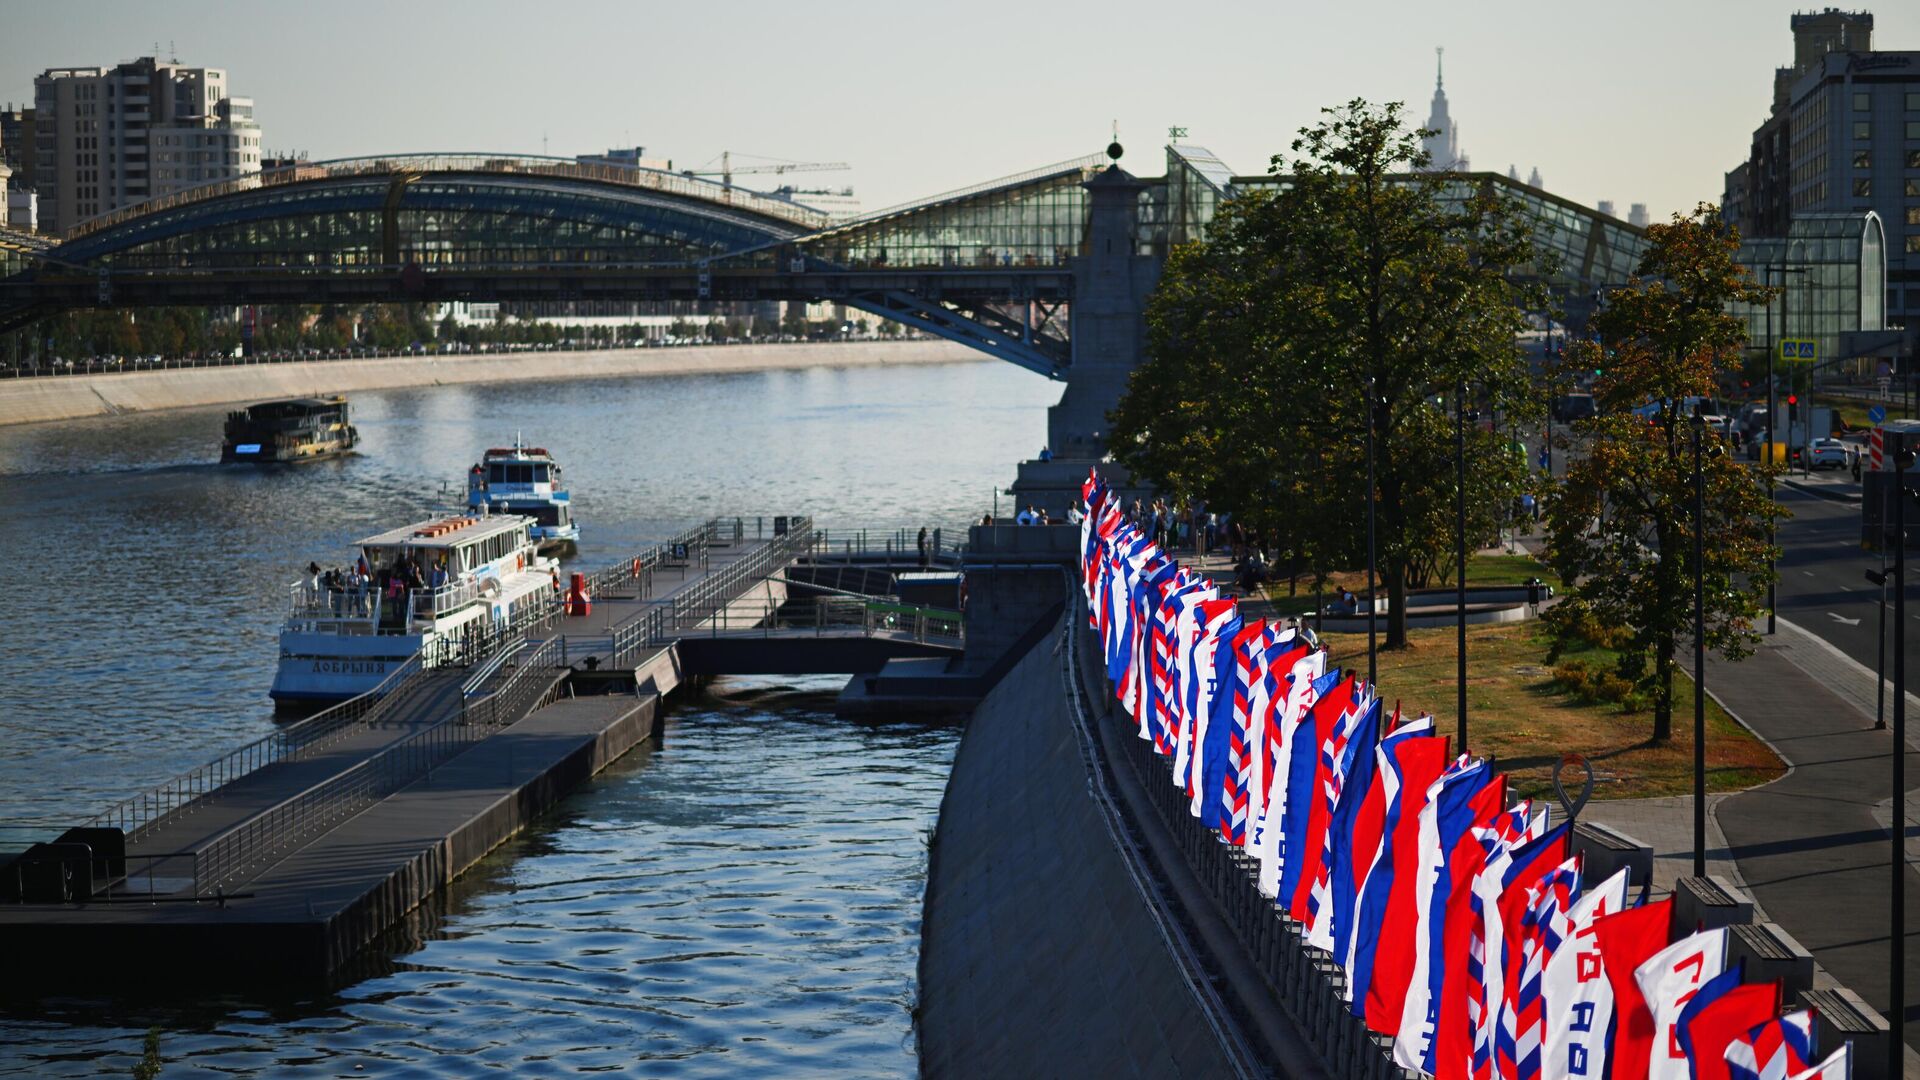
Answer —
(1460, 539)
(1773, 347)
(1699, 650)
(1896, 984)
(1373, 603)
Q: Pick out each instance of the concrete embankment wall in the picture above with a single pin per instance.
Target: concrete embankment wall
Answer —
(1038, 955)
(67, 397)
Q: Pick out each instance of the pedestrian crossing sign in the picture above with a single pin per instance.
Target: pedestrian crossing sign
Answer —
(1798, 349)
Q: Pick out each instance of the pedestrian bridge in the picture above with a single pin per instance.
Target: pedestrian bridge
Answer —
(992, 265)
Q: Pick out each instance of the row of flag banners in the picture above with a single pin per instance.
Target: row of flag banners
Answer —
(1460, 918)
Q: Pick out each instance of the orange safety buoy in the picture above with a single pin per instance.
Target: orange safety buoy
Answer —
(636, 566)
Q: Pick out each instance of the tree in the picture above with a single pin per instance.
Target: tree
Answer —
(1621, 525)
(1263, 338)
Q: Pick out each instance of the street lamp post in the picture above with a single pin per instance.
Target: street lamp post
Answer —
(1896, 984)
(1699, 651)
(1373, 603)
(1773, 404)
(1460, 541)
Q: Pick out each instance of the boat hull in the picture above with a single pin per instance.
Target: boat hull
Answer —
(332, 667)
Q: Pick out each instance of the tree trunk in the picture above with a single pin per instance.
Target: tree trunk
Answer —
(1663, 690)
(1396, 575)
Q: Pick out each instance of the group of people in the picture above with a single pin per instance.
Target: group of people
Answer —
(1460, 918)
(358, 581)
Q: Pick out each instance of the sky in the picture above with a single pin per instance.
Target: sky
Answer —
(1631, 100)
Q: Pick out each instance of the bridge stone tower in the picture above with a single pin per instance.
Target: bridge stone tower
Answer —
(1111, 280)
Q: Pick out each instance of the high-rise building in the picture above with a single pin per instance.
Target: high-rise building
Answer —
(1605, 206)
(105, 138)
(1842, 136)
(1443, 146)
(1637, 215)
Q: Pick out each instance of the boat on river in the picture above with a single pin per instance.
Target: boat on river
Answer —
(444, 588)
(525, 480)
(295, 430)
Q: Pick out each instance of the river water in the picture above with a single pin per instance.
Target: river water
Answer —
(741, 898)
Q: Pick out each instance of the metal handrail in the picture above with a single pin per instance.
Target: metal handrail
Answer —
(139, 811)
(242, 848)
(658, 624)
(641, 567)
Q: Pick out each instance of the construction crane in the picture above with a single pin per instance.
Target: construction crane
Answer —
(726, 170)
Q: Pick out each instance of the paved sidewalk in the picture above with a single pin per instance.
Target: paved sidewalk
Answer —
(1807, 845)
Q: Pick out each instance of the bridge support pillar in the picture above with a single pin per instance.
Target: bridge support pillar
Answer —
(1111, 280)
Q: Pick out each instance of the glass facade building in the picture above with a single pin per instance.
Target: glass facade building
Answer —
(1832, 271)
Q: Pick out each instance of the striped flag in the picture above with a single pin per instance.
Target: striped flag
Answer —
(1384, 934)
(1775, 1050)
(1351, 777)
(1837, 1066)
(1449, 856)
(1716, 1017)
(1521, 1037)
(1305, 828)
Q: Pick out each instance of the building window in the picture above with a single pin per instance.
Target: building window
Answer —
(1913, 215)
(1863, 189)
(1863, 159)
(1862, 102)
(1913, 101)
(1913, 159)
(1913, 189)
(1913, 130)
(1913, 244)
(1862, 129)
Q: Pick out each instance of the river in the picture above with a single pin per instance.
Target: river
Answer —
(742, 897)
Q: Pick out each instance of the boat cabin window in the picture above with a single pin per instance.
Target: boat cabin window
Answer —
(516, 474)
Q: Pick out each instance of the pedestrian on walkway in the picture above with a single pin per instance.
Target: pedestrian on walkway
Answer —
(922, 542)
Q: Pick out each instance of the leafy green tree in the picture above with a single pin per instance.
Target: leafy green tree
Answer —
(1621, 525)
(1361, 287)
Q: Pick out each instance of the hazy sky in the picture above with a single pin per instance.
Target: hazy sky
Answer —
(1630, 100)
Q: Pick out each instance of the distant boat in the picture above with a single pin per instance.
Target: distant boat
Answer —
(526, 481)
(299, 429)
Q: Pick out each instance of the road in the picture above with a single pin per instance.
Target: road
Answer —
(1822, 585)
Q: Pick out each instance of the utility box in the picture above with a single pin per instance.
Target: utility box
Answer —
(1877, 488)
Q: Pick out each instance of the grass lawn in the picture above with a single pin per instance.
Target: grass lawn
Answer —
(1518, 716)
(1484, 568)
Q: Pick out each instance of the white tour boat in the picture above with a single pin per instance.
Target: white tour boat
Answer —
(525, 480)
(443, 585)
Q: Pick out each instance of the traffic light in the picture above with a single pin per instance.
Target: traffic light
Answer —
(1793, 407)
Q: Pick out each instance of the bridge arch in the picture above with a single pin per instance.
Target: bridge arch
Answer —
(453, 213)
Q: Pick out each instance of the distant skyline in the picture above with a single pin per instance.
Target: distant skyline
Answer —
(1649, 102)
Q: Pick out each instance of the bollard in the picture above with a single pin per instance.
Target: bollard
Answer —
(1709, 903)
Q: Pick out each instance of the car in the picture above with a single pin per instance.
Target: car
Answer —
(1830, 453)
(1573, 407)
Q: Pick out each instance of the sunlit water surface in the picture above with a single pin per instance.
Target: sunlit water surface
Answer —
(743, 898)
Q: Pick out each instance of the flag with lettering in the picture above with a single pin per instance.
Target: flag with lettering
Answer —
(1775, 1049)
(1668, 980)
(1575, 993)
(1627, 940)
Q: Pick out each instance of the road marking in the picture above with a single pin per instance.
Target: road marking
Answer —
(1848, 588)
(1809, 573)
(1837, 617)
